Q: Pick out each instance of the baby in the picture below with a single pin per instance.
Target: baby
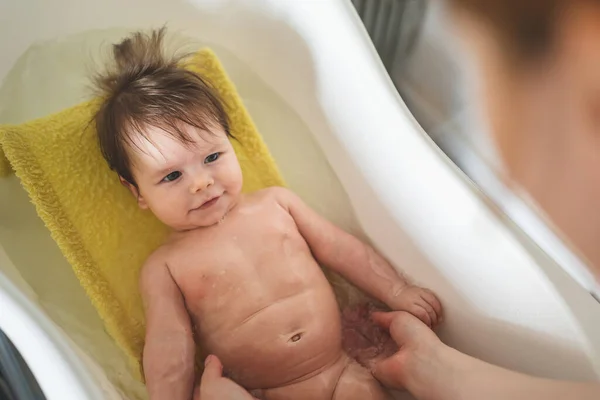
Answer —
(240, 273)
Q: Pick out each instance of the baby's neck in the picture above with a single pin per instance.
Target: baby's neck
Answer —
(220, 221)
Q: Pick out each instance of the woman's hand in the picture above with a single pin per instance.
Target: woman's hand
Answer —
(431, 370)
(418, 348)
(213, 386)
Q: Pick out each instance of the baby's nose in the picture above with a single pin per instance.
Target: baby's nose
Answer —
(200, 183)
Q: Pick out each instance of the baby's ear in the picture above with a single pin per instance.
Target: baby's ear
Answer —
(134, 191)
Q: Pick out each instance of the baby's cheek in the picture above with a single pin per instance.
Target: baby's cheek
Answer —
(172, 207)
(230, 175)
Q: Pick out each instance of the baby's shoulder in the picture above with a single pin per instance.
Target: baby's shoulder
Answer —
(177, 245)
(154, 271)
(157, 259)
(273, 194)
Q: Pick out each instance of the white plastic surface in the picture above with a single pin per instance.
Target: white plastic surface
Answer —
(43, 347)
(328, 111)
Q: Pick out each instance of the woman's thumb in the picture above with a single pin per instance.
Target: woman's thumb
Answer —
(388, 372)
(213, 368)
(383, 319)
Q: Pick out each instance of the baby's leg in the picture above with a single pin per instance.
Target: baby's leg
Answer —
(357, 383)
(319, 386)
(343, 380)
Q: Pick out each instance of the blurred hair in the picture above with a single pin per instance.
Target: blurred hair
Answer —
(525, 28)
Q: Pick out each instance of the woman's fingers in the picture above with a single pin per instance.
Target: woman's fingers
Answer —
(383, 319)
(213, 369)
(389, 371)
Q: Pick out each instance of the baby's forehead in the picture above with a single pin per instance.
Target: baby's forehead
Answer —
(160, 145)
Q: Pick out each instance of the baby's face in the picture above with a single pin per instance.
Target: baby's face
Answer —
(186, 186)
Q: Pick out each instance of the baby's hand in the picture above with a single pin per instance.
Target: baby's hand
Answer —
(421, 303)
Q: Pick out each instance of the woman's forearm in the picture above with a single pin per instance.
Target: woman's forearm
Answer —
(452, 375)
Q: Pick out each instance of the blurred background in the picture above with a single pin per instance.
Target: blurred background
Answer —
(431, 71)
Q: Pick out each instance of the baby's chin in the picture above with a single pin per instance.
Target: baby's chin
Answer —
(204, 221)
(196, 219)
(212, 220)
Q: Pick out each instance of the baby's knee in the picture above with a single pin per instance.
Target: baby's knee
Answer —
(357, 383)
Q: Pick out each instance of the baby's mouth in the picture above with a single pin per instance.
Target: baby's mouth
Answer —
(207, 204)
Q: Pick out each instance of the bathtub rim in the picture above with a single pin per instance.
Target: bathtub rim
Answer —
(57, 368)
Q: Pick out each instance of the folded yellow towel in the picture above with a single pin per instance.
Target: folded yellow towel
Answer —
(93, 218)
(5, 169)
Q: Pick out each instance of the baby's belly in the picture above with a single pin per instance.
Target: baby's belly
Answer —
(287, 341)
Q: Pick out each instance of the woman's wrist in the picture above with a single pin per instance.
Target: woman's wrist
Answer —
(430, 371)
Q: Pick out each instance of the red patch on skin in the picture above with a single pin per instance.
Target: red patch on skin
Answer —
(362, 339)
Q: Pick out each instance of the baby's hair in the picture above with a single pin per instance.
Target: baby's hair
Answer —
(146, 88)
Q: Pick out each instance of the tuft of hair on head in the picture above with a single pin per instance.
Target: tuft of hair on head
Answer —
(145, 87)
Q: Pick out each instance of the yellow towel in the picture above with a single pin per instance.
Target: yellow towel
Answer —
(93, 218)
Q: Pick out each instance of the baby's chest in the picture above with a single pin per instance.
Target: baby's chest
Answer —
(252, 249)
(240, 255)
(259, 235)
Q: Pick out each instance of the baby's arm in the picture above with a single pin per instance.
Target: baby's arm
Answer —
(359, 262)
(169, 348)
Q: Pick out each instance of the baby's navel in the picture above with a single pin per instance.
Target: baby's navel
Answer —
(296, 337)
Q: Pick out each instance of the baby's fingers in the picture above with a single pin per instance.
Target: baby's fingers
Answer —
(435, 304)
(420, 311)
(430, 311)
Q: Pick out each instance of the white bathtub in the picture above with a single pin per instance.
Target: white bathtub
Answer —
(344, 141)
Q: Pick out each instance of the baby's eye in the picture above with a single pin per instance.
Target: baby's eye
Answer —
(212, 158)
(172, 176)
